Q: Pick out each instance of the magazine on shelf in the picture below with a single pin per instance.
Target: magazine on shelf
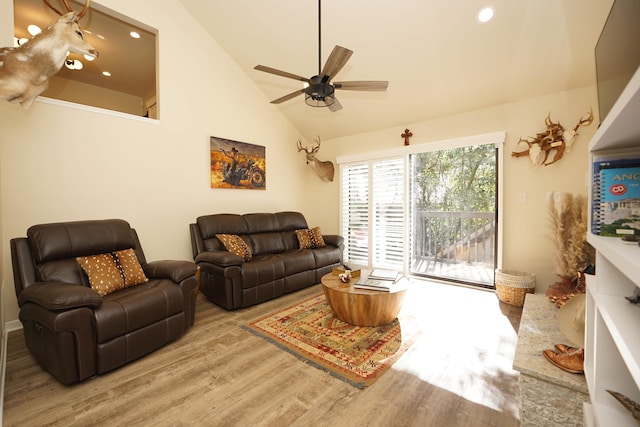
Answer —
(597, 205)
(619, 201)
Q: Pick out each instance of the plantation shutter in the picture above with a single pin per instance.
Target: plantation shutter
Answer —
(388, 213)
(373, 205)
(355, 213)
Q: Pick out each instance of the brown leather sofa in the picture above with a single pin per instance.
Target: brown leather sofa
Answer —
(277, 265)
(71, 330)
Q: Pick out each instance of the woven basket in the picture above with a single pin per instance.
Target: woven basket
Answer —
(512, 286)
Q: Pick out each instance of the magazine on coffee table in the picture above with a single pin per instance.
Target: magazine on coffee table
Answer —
(377, 282)
(381, 274)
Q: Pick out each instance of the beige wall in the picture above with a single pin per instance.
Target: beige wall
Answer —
(526, 238)
(82, 93)
(59, 163)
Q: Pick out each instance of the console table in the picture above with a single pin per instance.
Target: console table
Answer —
(548, 395)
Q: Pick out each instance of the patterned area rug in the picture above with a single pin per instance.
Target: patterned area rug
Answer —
(310, 331)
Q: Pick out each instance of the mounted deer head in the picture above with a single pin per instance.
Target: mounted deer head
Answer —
(25, 70)
(323, 169)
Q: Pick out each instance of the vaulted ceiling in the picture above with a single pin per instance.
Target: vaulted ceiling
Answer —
(438, 58)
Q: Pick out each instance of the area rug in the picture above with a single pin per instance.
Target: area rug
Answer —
(355, 354)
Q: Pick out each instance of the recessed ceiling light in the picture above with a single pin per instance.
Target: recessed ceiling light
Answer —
(106, 74)
(33, 29)
(134, 34)
(485, 14)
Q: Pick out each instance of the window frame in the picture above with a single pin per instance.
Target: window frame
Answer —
(497, 138)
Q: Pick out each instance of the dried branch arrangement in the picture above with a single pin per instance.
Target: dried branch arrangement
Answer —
(568, 218)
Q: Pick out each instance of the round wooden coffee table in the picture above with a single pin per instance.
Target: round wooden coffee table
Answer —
(362, 307)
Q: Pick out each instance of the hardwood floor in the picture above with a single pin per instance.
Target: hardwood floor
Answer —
(458, 373)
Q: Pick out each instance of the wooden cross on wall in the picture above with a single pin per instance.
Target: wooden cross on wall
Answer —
(406, 135)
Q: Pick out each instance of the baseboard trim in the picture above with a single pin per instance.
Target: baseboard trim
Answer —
(12, 325)
(3, 366)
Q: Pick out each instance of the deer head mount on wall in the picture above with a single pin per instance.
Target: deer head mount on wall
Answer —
(25, 70)
(324, 169)
(555, 138)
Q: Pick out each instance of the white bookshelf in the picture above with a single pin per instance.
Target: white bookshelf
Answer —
(612, 341)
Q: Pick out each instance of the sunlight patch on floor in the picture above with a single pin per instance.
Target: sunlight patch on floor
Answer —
(466, 346)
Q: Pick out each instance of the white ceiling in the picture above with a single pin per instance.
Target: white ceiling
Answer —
(438, 59)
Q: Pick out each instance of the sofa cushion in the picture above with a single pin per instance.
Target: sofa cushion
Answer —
(310, 239)
(328, 255)
(262, 269)
(261, 222)
(113, 271)
(210, 225)
(297, 261)
(131, 309)
(56, 241)
(236, 245)
(267, 243)
(290, 221)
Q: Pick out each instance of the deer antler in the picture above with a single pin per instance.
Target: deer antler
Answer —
(585, 122)
(300, 147)
(83, 12)
(317, 147)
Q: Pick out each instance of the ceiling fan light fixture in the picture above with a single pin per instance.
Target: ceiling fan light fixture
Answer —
(319, 94)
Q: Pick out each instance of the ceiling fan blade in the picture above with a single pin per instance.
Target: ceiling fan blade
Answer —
(371, 85)
(338, 58)
(280, 73)
(288, 97)
(335, 106)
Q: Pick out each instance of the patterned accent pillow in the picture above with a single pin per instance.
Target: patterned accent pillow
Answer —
(133, 273)
(113, 271)
(236, 245)
(310, 239)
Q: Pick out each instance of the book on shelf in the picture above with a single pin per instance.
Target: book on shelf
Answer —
(599, 164)
(619, 201)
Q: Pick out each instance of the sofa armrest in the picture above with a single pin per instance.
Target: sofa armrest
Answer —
(220, 258)
(333, 240)
(175, 270)
(59, 296)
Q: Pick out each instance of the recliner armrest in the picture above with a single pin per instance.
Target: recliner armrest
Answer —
(221, 258)
(175, 270)
(59, 296)
(333, 240)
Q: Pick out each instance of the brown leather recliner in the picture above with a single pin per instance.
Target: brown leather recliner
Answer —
(71, 330)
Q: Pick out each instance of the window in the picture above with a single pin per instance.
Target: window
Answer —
(378, 219)
(375, 205)
(131, 63)
(355, 212)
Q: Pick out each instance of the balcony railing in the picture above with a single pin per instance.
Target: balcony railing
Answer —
(455, 245)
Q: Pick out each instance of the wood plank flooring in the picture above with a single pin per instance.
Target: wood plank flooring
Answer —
(458, 373)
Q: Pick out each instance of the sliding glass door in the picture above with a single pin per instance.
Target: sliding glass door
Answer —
(430, 210)
(453, 214)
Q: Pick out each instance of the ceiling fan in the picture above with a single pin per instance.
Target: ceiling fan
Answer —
(318, 90)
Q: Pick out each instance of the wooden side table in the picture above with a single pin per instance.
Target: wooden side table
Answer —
(363, 307)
